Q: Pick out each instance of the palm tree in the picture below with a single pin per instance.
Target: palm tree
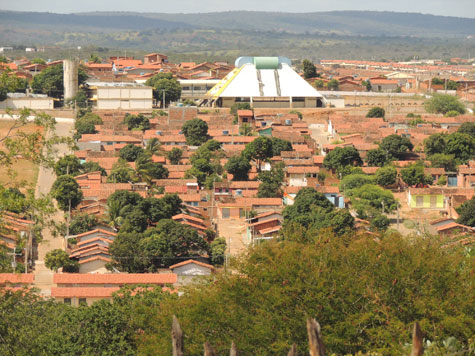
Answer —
(144, 168)
(153, 146)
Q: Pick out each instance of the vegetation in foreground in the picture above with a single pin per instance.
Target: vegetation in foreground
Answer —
(366, 293)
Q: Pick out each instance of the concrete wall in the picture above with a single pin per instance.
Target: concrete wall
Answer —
(30, 103)
(70, 78)
(192, 269)
(97, 266)
(128, 98)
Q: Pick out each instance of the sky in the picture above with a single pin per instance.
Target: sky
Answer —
(460, 8)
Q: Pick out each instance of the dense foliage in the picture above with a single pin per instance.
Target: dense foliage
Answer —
(165, 86)
(460, 145)
(376, 112)
(342, 157)
(67, 193)
(174, 156)
(85, 124)
(466, 213)
(396, 146)
(377, 158)
(195, 131)
(239, 167)
(443, 103)
(130, 152)
(56, 259)
(271, 182)
(414, 174)
(309, 69)
(137, 122)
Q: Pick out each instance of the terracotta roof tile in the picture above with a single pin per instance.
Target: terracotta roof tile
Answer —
(115, 278)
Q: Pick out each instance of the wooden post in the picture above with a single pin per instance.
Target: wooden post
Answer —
(177, 338)
(293, 351)
(315, 343)
(209, 351)
(233, 351)
(417, 345)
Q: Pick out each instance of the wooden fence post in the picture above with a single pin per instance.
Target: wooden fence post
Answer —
(233, 351)
(209, 351)
(177, 338)
(417, 345)
(315, 342)
(293, 351)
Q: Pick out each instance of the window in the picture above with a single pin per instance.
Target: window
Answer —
(225, 213)
(433, 201)
(242, 213)
(67, 301)
(82, 301)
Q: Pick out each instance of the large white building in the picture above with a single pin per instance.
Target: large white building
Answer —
(268, 82)
(126, 96)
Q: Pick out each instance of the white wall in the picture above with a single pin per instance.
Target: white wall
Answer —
(192, 269)
(30, 103)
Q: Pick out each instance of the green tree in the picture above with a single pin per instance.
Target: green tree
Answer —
(171, 242)
(146, 170)
(333, 85)
(153, 146)
(435, 144)
(134, 221)
(352, 181)
(309, 69)
(121, 172)
(380, 223)
(121, 203)
(367, 85)
(369, 200)
(81, 223)
(137, 122)
(38, 61)
(467, 128)
(462, 146)
(94, 58)
(258, 150)
(56, 259)
(377, 158)
(218, 251)
(11, 84)
(443, 103)
(50, 81)
(130, 152)
(67, 193)
(306, 199)
(279, 145)
(127, 254)
(271, 182)
(246, 130)
(239, 167)
(341, 157)
(175, 155)
(386, 176)
(13, 200)
(86, 124)
(68, 164)
(396, 146)
(195, 131)
(376, 112)
(338, 281)
(90, 166)
(441, 160)
(164, 83)
(414, 174)
(319, 84)
(466, 213)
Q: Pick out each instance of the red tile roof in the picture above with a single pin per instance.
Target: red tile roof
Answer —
(16, 278)
(192, 262)
(115, 278)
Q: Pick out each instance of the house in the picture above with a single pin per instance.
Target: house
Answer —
(191, 268)
(245, 117)
(239, 208)
(126, 96)
(333, 195)
(298, 175)
(155, 58)
(264, 226)
(426, 198)
(454, 228)
(82, 288)
(92, 250)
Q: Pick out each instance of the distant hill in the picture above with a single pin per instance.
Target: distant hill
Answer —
(365, 23)
(338, 34)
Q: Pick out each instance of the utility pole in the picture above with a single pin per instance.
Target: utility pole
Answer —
(163, 99)
(14, 254)
(398, 216)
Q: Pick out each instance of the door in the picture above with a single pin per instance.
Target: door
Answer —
(419, 201)
(225, 213)
(433, 201)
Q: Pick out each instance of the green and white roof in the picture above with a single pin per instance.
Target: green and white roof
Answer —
(263, 77)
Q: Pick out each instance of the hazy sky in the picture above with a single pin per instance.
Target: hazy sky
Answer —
(462, 8)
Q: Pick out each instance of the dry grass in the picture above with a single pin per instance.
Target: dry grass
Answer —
(25, 170)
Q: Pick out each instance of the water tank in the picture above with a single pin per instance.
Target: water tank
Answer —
(266, 62)
(288, 122)
(159, 133)
(70, 78)
(225, 132)
(238, 192)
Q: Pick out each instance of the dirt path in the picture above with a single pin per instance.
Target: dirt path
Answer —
(46, 178)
